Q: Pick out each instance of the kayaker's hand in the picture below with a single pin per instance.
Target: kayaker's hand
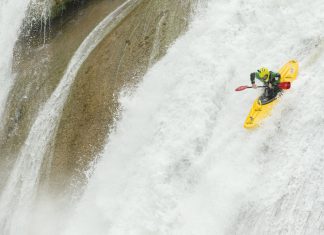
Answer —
(270, 85)
(254, 86)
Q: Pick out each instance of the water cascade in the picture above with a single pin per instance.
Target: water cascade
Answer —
(178, 160)
(12, 14)
(17, 198)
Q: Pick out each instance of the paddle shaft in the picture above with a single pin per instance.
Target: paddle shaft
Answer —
(282, 85)
(256, 86)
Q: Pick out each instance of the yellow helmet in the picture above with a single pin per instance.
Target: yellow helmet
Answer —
(263, 71)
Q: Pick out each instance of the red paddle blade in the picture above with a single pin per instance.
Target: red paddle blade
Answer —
(284, 85)
(241, 88)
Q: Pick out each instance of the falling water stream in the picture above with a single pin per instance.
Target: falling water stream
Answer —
(17, 197)
(179, 161)
(12, 13)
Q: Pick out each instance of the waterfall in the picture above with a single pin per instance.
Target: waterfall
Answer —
(20, 190)
(180, 161)
(12, 14)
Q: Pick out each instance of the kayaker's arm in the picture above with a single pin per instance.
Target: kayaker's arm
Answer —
(252, 78)
(278, 75)
(276, 79)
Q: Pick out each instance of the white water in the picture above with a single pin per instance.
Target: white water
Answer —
(17, 198)
(180, 162)
(12, 13)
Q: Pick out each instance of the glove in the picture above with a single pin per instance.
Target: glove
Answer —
(254, 86)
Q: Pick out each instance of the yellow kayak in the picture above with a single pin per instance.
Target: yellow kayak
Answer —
(261, 110)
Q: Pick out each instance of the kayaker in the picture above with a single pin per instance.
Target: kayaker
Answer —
(270, 80)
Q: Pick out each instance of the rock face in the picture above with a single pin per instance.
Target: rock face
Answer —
(53, 8)
(119, 61)
(42, 14)
(39, 67)
(59, 6)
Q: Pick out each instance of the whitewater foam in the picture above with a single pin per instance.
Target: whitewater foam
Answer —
(180, 162)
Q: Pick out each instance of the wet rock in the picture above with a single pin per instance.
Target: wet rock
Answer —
(119, 61)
